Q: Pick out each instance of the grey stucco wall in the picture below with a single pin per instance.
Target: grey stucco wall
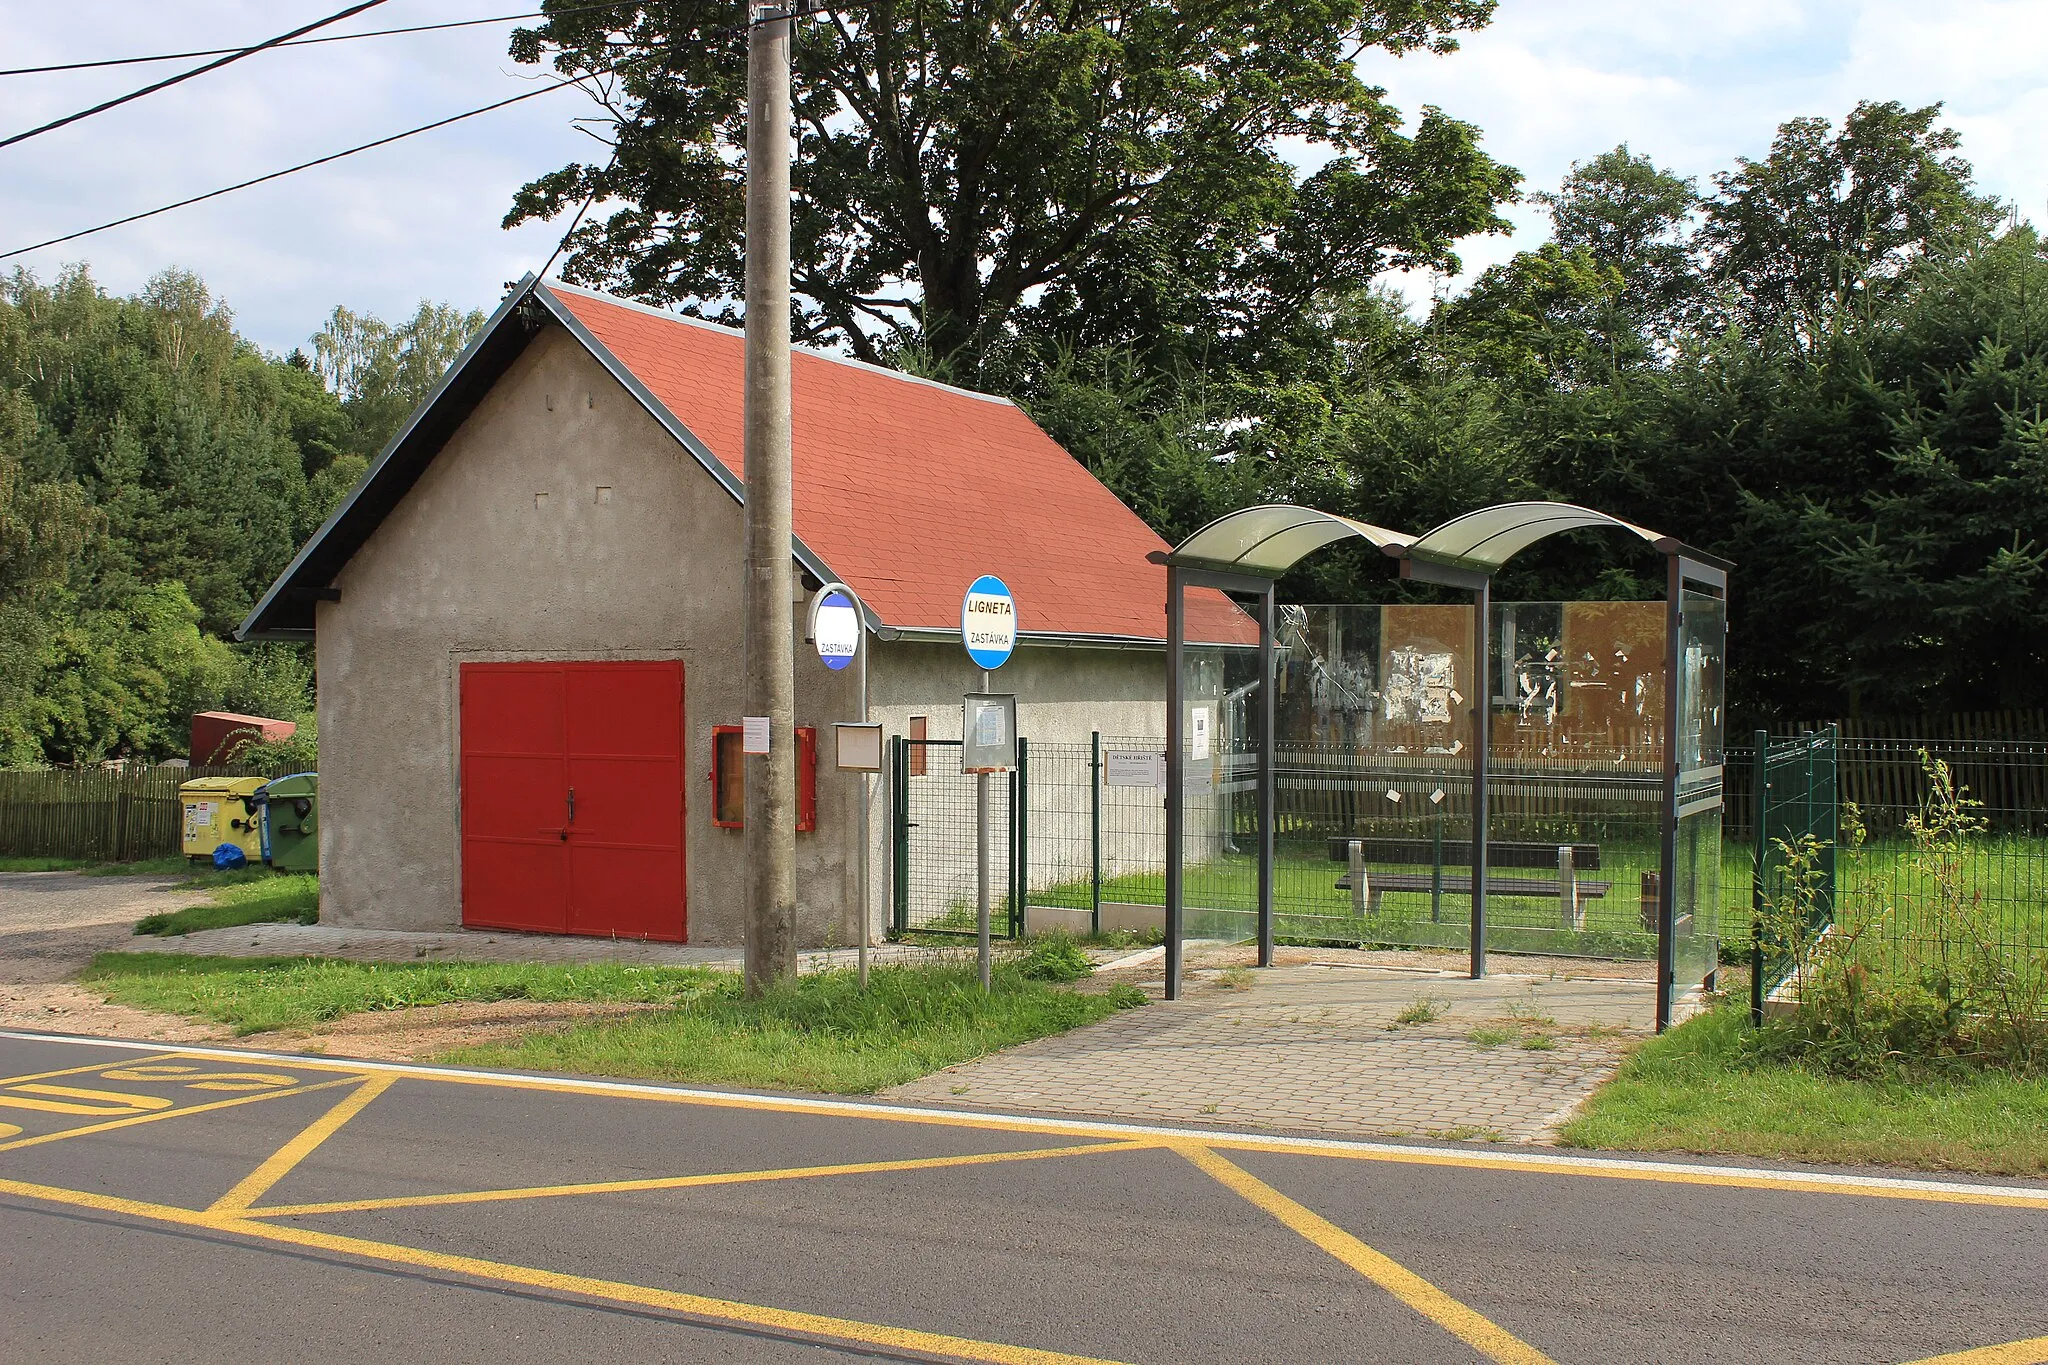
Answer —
(503, 551)
(1063, 694)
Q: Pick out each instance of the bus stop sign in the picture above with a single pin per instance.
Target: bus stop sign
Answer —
(988, 622)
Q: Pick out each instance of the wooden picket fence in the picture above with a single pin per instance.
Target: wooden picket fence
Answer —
(1999, 757)
(116, 815)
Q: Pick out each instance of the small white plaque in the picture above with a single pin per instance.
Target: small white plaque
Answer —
(1134, 768)
(859, 746)
(1199, 719)
(754, 734)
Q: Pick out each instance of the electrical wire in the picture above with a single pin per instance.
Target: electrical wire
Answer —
(367, 146)
(577, 221)
(169, 81)
(289, 170)
(307, 42)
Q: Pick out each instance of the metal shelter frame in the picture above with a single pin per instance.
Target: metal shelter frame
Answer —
(1246, 552)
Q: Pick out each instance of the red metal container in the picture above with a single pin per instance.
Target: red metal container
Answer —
(216, 733)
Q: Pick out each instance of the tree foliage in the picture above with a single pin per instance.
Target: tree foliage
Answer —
(156, 472)
(964, 166)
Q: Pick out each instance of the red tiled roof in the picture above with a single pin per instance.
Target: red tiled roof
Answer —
(909, 490)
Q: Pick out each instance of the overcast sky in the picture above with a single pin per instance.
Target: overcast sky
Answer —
(1693, 83)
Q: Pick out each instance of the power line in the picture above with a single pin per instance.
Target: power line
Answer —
(367, 146)
(168, 81)
(307, 42)
(577, 221)
(289, 170)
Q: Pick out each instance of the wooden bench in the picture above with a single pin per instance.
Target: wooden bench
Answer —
(1566, 886)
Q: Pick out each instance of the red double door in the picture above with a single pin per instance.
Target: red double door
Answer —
(572, 798)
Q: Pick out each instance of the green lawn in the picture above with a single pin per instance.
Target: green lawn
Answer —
(32, 864)
(250, 896)
(1222, 898)
(256, 994)
(819, 1033)
(1692, 1091)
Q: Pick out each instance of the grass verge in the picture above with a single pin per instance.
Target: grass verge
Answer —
(258, 994)
(819, 1033)
(255, 896)
(1691, 1090)
(172, 865)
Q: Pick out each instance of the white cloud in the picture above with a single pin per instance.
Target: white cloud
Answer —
(1697, 83)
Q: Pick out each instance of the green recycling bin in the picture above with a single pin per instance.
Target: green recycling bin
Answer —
(291, 814)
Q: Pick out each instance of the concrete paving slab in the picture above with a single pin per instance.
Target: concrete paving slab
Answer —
(1325, 1049)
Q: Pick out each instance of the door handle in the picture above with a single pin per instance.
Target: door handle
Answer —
(572, 805)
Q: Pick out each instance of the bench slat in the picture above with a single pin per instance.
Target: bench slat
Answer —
(1458, 853)
(1461, 884)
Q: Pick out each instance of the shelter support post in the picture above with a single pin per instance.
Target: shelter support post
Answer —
(1265, 776)
(1175, 631)
(1482, 725)
(1667, 883)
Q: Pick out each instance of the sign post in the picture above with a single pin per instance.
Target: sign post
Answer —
(839, 633)
(988, 726)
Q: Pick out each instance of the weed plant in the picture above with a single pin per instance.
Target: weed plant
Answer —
(1903, 977)
(1054, 957)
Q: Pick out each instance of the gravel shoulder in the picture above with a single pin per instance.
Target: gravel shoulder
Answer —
(51, 924)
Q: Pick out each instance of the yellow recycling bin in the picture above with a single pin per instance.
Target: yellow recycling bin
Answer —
(222, 810)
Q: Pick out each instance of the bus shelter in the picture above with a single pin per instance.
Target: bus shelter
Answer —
(1222, 734)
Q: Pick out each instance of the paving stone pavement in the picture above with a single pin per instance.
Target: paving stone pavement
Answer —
(1318, 1049)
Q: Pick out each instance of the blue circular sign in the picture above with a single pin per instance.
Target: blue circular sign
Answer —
(835, 627)
(988, 622)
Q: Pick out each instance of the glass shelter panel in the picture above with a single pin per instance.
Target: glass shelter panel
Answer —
(1219, 793)
(1696, 903)
(1373, 778)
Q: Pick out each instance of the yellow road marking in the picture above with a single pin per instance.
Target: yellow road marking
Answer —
(192, 1078)
(1622, 1170)
(259, 1181)
(1476, 1331)
(111, 1124)
(81, 1070)
(2032, 1351)
(8, 1130)
(680, 1182)
(614, 1291)
(65, 1106)
(120, 1098)
(1615, 1170)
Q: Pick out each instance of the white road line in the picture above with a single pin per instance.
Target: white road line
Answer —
(1533, 1161)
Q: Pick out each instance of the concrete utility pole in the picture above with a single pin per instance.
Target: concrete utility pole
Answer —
(770, 617)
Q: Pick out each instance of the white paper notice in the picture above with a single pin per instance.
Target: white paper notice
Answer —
(1198, 733)
(1134, 769)
(754, 734)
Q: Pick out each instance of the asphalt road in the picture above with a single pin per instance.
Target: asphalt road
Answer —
(209, 1205)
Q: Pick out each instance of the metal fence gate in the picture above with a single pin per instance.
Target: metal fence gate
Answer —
(933, 850)
(1794, 786)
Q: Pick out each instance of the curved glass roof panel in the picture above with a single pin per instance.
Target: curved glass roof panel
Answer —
(1270, 539)
(1491, 536)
